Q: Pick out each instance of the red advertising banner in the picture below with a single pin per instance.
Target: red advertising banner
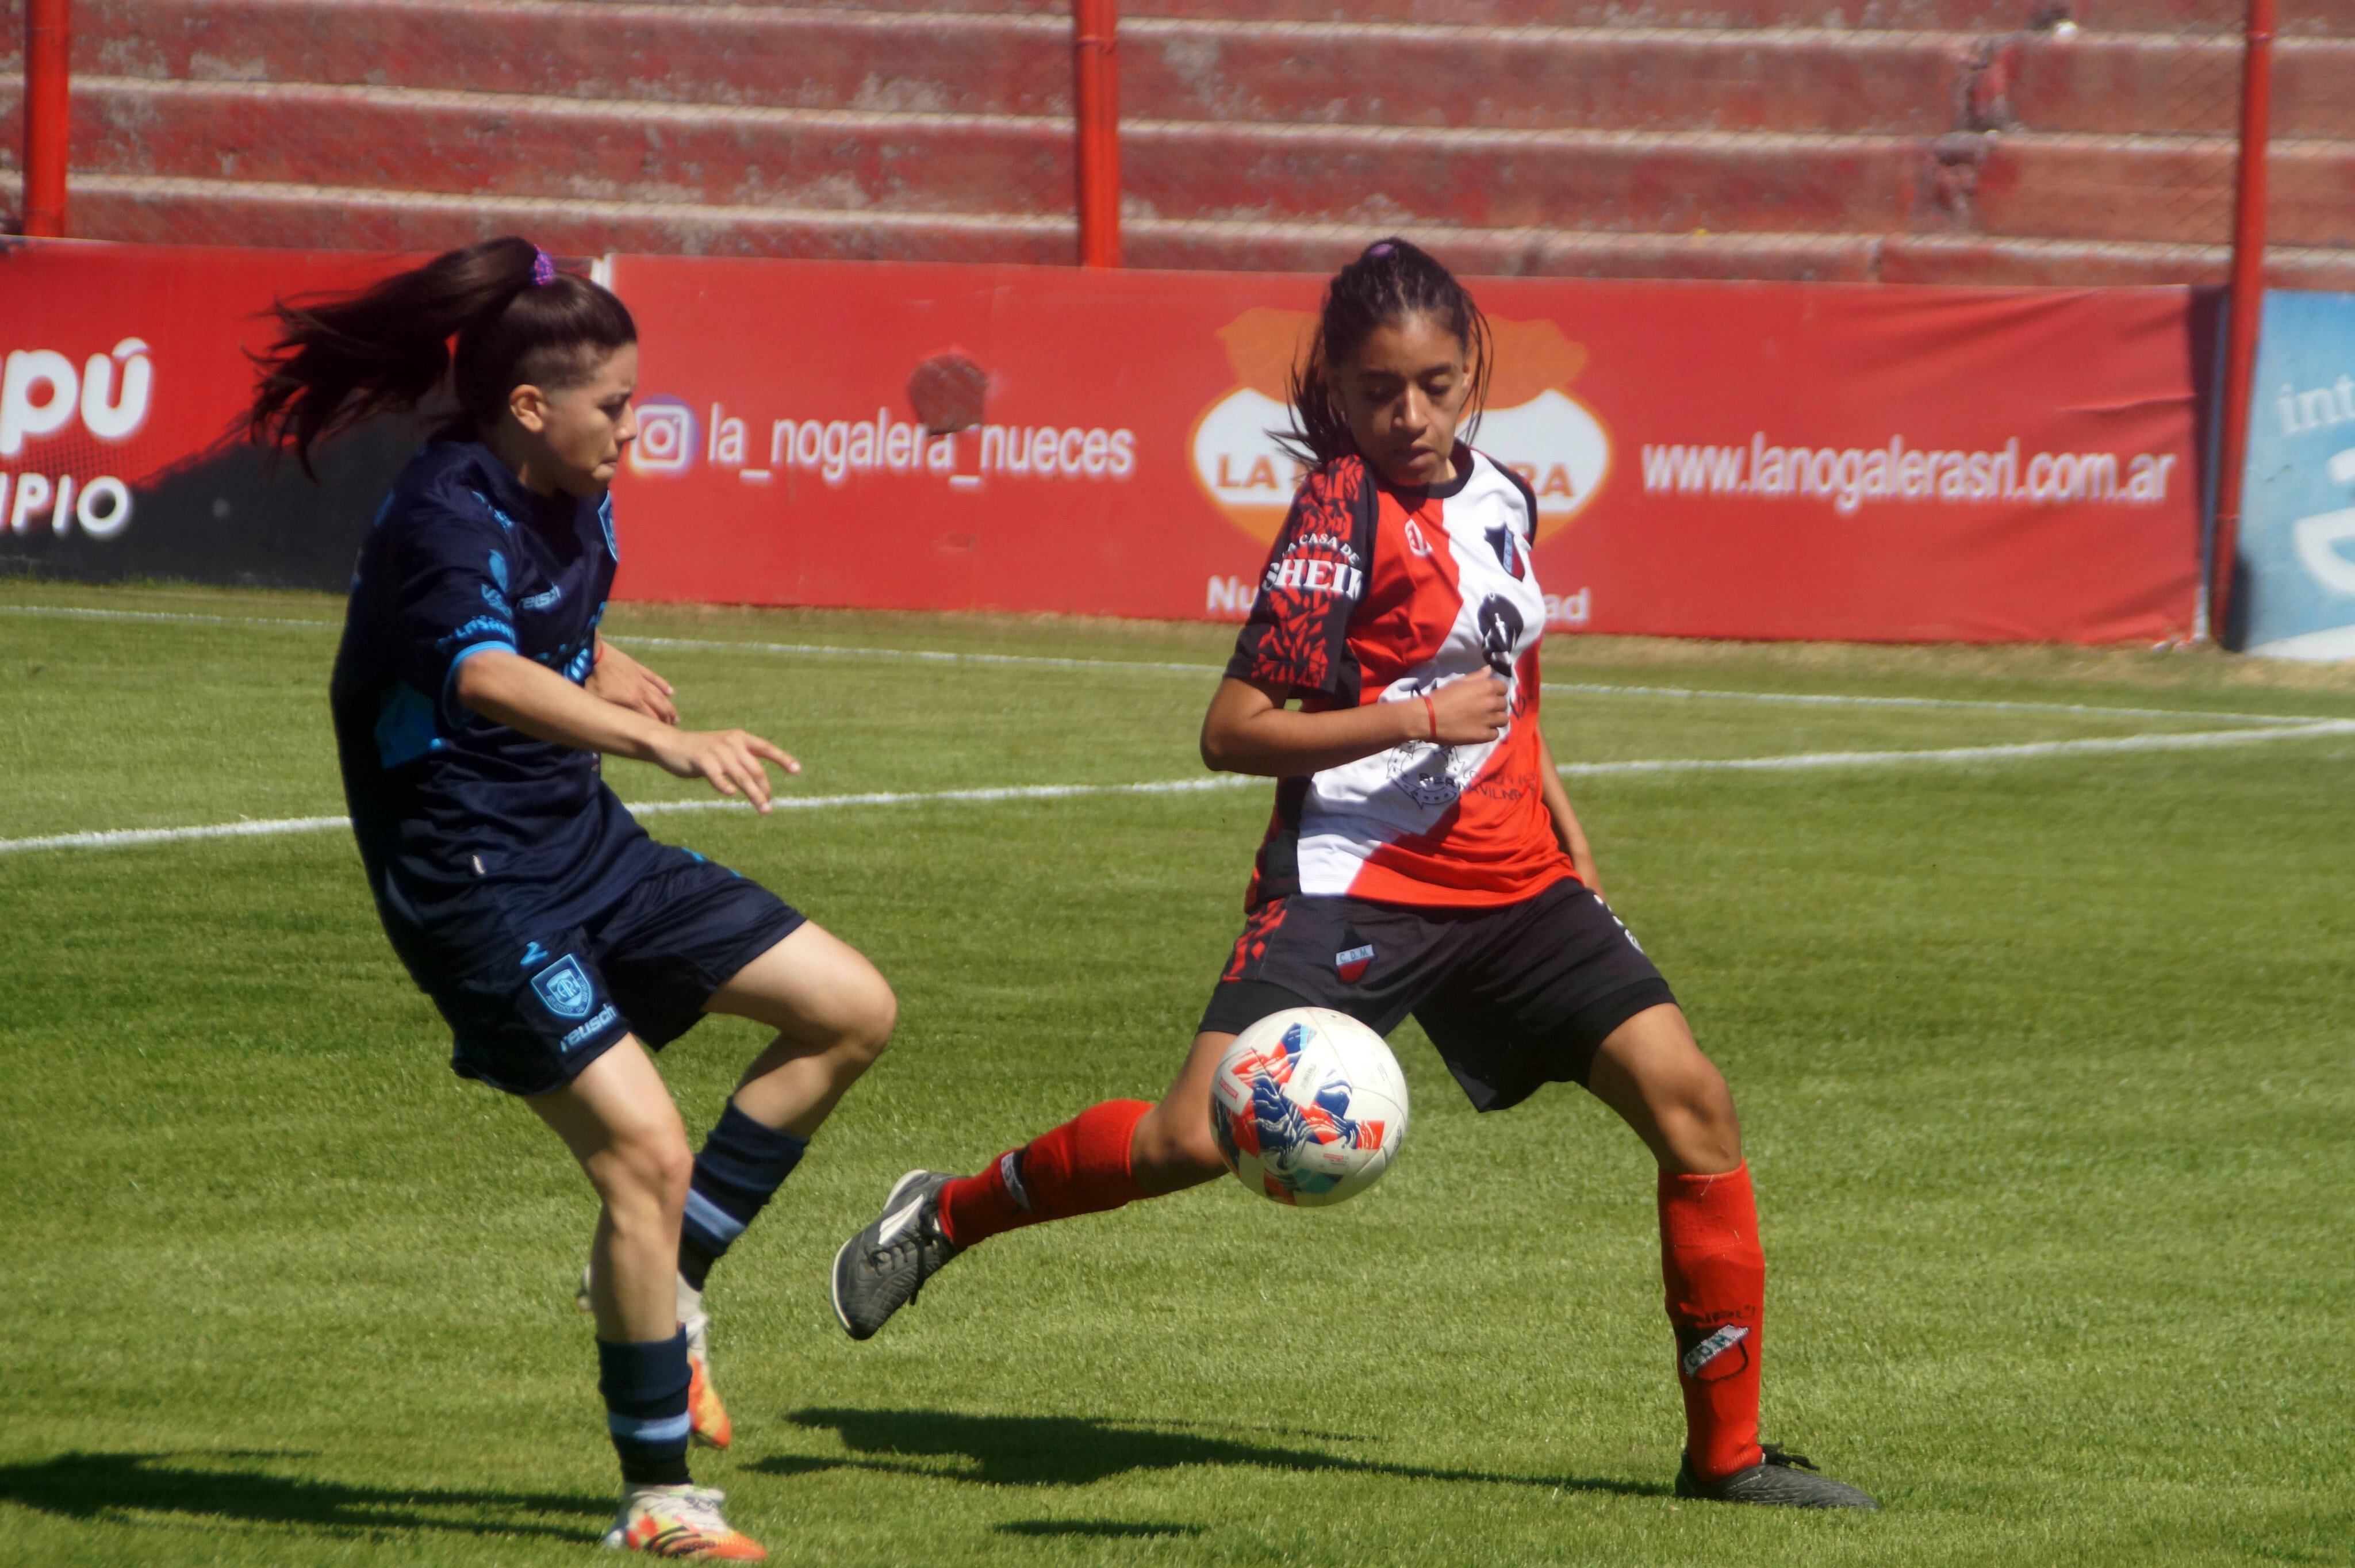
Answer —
(1731, 460)
(1727, 460)
(124, 384)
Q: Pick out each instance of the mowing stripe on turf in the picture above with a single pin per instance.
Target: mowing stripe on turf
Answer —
(1579, 689)
(1860, 699)
(934, 656)
(2022, 750)
(121, 838)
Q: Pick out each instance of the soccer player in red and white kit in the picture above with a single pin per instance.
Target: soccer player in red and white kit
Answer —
(1422, 859)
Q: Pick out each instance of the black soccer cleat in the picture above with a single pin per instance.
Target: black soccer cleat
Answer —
(1782, 1480)
(879, 1270)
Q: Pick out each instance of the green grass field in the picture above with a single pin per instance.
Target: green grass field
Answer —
(2043, 1057)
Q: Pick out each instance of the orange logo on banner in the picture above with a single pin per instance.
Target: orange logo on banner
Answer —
(1533, 425)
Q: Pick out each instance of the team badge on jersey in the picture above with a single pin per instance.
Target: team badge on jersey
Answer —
(564, 986)
(1351, 962)
(1506, 544)
(1500, 634)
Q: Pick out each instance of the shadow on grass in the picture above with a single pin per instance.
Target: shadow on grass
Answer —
(1105, 1529)
(1078, 1451)
(88, 1486)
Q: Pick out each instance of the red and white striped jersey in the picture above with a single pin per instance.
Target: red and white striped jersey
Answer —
(1373, 595)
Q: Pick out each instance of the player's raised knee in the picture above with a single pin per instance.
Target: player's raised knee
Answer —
(1697, 1116)
(646, 1166)
(872, 1023)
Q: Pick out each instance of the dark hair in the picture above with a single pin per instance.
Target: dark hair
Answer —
(1389, 281)
(344, 358)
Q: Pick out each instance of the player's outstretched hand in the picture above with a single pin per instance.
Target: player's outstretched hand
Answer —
(730, 759)
(624, 682)
(1472, 711)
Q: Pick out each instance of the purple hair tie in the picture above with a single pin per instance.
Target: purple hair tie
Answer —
(1384, 249)
(543, 270)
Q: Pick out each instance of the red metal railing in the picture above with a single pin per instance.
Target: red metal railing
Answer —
(1096, 104)
(2245, 307)
(47, 117)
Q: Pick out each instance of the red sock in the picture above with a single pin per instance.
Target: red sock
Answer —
(1716, 1275)
(1080, 1168)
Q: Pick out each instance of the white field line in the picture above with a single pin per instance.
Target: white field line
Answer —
(1860, 699)
(930, 655)
(2024, 751)
(81, 613)
(1811, 761)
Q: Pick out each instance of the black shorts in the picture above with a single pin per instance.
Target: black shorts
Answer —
(643, 967)
(1513, 996)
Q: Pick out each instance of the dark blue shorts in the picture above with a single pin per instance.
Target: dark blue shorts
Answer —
(530, 1019)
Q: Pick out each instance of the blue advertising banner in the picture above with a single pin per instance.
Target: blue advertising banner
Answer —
(2296, 566)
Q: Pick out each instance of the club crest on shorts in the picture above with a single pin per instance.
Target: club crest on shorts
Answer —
(564, 986)
(1350, 962)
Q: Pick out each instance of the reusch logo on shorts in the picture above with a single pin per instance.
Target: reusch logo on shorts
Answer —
(565, 988)
(1350, 962)
(1708, 1360)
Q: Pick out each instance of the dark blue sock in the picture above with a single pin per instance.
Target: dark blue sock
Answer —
(742, 1163)
(645, 1385)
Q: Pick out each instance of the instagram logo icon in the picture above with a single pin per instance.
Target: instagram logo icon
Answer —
(666, 442)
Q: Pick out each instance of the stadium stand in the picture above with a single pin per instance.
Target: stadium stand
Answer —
(1947, 141)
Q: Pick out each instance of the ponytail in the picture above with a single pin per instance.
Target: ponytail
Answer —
(1389, 281)
(346, 358)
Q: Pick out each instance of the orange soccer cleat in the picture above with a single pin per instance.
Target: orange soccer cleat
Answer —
(683, 1522)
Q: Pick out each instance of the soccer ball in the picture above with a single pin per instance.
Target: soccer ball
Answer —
(1308, 1106)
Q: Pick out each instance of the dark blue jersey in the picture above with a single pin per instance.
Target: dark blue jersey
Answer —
(476, 835)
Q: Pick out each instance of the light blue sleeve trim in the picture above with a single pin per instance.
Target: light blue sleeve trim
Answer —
(450, 681)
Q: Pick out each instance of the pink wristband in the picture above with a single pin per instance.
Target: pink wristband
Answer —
(1430, 712)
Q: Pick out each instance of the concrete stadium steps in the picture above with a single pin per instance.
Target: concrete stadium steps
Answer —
(170, 211)
(155, 210)
(1926, 139)
(1808, 257)
(741, 54)
(2141, 189)
(1485, 77)
(2324, 18)
(460, 144)
(2155, 85)
(399, 139)
(1537, 78)
(2148, 188)
(2328, 18)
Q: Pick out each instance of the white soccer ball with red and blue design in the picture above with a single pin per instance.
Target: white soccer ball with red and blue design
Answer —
(1308, 1106)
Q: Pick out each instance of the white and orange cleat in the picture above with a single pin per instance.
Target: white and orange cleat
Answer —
(708, 1423)
(683, 1522)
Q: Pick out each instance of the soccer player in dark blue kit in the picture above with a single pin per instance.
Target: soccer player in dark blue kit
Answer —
(473, 696)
